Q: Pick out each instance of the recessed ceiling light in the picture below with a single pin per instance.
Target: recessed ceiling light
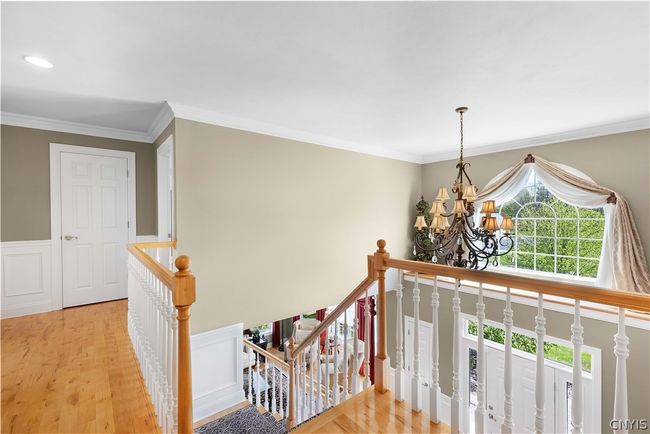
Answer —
(38, 61)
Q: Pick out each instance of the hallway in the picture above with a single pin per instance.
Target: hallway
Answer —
(73, 371)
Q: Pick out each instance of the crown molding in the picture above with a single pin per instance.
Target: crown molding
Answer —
(164, 117)
(20, 120)
(582, 133)
(215, 118)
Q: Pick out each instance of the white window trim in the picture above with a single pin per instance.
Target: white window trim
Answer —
(56, 149)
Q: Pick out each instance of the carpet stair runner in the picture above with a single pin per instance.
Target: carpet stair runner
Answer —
(247, 420)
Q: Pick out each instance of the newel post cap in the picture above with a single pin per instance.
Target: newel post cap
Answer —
(381, 256)
(182, 263)
(185, 283)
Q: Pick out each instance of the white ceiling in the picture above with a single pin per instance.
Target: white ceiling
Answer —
(381, 78)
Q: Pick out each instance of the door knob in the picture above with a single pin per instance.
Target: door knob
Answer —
(71, 237)
(490, 407)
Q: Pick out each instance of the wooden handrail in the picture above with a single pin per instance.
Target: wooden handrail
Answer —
(625, 299)
(329, 319)
(182, 285)
(266, 354)
(165, 275)
(502, 290)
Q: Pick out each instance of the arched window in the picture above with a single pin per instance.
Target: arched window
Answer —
(552, 236)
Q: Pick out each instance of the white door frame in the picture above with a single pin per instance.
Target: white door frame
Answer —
(56, 149)
(165, 153)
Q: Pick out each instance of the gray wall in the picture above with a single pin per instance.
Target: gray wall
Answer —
(275, 227)
(619, 161)
(25, 154)
(598, 334)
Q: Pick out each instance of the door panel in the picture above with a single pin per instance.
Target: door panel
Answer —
(94, 219)
(523, 392)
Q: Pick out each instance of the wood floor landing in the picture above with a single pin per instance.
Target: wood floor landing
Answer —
(73, 371)
(372, 412)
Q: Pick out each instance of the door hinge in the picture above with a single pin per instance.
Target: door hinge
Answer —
(128, 224)
(127, 173)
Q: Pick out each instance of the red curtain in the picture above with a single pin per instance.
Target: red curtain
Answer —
(361, 330)
(296, 318)
(320, 316)
(275, 337)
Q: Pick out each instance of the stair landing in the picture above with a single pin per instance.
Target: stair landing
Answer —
(372, 412)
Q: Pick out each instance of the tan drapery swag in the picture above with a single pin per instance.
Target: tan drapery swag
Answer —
(628, 260)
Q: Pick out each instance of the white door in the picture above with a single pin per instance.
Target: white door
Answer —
(94, 228)
(424, 332)
(165, 181)
(564, 389)
(523, 393)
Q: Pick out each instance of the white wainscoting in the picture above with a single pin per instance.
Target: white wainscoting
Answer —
(26, 278)
(217, 372)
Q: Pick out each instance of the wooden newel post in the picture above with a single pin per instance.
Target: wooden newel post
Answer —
(291, 420)
(184, 296)
(382, 363)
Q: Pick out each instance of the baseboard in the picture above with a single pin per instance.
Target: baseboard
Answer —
(217, 372)
(146, 238)
(26, 270)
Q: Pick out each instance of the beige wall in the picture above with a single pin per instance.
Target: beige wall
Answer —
(598, 334)
(619, 161)
(25, 154)
(276, 227)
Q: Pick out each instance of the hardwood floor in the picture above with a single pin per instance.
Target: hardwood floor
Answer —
(73, 371)
(372, 412)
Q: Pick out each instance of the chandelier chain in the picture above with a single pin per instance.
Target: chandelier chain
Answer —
(461, 136)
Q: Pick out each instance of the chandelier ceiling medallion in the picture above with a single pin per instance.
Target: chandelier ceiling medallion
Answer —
(462, 243)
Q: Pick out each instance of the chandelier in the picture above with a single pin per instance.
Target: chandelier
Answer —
(462, 243)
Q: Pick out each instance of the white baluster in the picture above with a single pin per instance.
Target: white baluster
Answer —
(304, 385)
(479, 415)
(319, 401)
(345, 355)
(355, 350)
(576, 397)
(434, 393)
(416, 390)
(335, 393)
(507, 425)
(540, 329)
(366, 338)
(326, 404)
(621, 352)
(272, 380)
(456, 400)
(399, 331)
(258, 400)
(312, 361)
(250, 374)
(280, 393)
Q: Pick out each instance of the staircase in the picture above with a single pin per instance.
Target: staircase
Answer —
(315, 391)
(249, 420)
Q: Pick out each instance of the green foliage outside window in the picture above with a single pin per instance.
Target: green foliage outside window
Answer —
(553, 236)
(552, 351)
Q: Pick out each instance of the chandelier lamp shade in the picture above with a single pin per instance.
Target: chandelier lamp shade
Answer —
(462, 243)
